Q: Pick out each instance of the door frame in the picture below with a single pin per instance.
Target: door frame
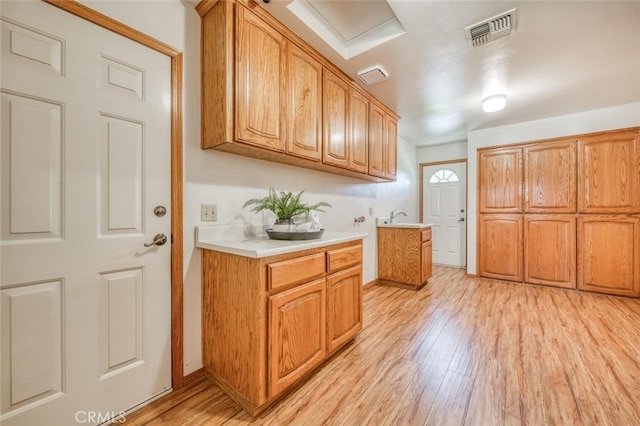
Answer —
(177, 320)
(466, 198)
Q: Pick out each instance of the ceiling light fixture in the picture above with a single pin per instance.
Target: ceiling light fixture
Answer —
(494, 103)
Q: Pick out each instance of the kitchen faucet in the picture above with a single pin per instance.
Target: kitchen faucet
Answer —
(392, 215)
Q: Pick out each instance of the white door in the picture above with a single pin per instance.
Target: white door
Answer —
(85, 159)
(444, 203)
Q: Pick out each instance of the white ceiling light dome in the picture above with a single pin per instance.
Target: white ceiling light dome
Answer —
(494, 103)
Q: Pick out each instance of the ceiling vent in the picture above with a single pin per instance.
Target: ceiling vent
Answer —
(491, 29)
(373, 75)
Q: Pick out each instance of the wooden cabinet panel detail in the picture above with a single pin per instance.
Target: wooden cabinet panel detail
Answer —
(304, 112)
(550, 250)
(377, 154)
(295, 271)
(550, 177)
(335, 102)
(609, 173)
(296, 334)
(260, 66)
(500, 186)
(609, 255)
(344, 306)
(343, 258)
(500, 247)
(358, 132)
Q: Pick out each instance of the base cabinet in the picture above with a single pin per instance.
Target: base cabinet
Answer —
(267, 323)
(609, 255)
(404, 256)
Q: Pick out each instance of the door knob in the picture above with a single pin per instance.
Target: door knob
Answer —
(158, 240)
(461, 219)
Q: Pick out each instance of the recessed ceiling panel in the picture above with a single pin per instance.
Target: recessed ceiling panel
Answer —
(349, 27)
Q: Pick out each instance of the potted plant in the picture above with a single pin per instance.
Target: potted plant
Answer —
(285, 205)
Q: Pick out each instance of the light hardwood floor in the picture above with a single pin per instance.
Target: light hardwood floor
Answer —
(459, 351)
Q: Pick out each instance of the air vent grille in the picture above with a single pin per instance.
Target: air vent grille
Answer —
(373, 75)
(491, 29)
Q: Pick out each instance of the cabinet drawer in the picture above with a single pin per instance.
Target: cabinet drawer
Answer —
(299, 270)
(425, 235)
(343, 258)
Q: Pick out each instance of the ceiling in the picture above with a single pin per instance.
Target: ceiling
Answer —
(564, 57)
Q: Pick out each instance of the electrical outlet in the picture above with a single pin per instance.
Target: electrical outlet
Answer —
(208, 212)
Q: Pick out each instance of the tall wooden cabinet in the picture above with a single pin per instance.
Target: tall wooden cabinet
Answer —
(267, 94)
(580, 212)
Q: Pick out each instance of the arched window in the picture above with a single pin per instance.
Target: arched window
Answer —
(444, 176)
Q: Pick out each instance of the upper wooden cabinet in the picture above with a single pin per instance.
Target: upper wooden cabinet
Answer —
(500, 186)
(304, 108)
(261, 82)
(335, 103)
(609, 173)
(377, 151)
(391, 146)
(267, 94)
(550, 177)
(609, 254)
(358, 131)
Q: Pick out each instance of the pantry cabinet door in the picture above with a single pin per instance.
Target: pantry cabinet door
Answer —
(609, 254)
(500, 246)
(550, 250)
(500, 180)
(609, 173)
(550, 177)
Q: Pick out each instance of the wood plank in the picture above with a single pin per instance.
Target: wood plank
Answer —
(460, 351)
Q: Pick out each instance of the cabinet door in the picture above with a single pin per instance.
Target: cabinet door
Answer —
(358, 132)
(304, 109)
(260, 89)
(391, 141)
(550, 250)
(500, 180)
(426, 263)
(500, 246)
(344, 306)
(335, 102)
(609, 173)
(377, 150)
(550, 177)
(609, 255)
(296, 334)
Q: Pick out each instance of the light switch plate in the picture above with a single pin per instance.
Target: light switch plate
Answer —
(208, 212)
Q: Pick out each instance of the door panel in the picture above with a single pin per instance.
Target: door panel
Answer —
(86, 306)
(500, 175)
(500, 246)
(358, 131)
(344, 302)
(377, 149)
(444, 205)
(335, 102)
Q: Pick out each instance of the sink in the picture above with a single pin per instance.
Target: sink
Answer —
(405, 225)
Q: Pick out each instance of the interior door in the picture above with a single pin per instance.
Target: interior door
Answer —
(85, 160)
(444, 204)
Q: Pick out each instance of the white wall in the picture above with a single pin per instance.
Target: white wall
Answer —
(443, 152)
(229, 180)
(617, 117)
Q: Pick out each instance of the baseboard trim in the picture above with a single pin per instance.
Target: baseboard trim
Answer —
(193, 377)
(370, 284)
(471, 275)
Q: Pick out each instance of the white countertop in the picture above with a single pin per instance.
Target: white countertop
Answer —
(262, 246)
(406, 225)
